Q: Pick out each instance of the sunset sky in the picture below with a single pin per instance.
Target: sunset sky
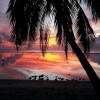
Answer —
(28, 62)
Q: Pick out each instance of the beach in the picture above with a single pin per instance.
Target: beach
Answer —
(46, 90)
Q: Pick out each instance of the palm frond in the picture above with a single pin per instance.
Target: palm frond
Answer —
(24, 17)
(63, 16)
(73, 8)
(85, 33)
(94, 6)
(44, 36)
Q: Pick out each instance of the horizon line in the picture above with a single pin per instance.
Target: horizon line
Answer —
(39, 51)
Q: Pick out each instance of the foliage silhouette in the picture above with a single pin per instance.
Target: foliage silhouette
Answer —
(26, 16)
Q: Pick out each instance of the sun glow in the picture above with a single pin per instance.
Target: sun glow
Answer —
(52, 57)
(52, 42)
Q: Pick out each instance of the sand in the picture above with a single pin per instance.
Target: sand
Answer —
(46, 90)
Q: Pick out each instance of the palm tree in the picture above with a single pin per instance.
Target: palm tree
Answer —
(28, 15)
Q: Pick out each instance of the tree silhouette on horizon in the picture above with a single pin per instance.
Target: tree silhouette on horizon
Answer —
(27, 15)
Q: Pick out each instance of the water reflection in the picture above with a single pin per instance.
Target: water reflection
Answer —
(31, 64)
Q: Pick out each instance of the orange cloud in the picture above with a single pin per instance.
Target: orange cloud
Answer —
(55, 63)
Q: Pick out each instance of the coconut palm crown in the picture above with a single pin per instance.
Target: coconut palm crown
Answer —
(26, 15)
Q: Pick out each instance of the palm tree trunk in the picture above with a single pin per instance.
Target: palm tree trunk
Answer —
(84, 62)
(87, 67)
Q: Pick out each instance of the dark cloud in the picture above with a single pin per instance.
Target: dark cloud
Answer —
(11, 59)
(4, 40)
(5, 36)
(95, 57)
(96, 47)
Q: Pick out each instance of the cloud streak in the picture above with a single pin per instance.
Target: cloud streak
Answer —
(11, 59)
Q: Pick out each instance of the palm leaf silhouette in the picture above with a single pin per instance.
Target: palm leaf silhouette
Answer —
(23, 14)
(28, 15)
(94, 7)
(85, 34)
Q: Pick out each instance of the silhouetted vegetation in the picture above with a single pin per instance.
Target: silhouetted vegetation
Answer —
(57, 78)
(28, 15)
